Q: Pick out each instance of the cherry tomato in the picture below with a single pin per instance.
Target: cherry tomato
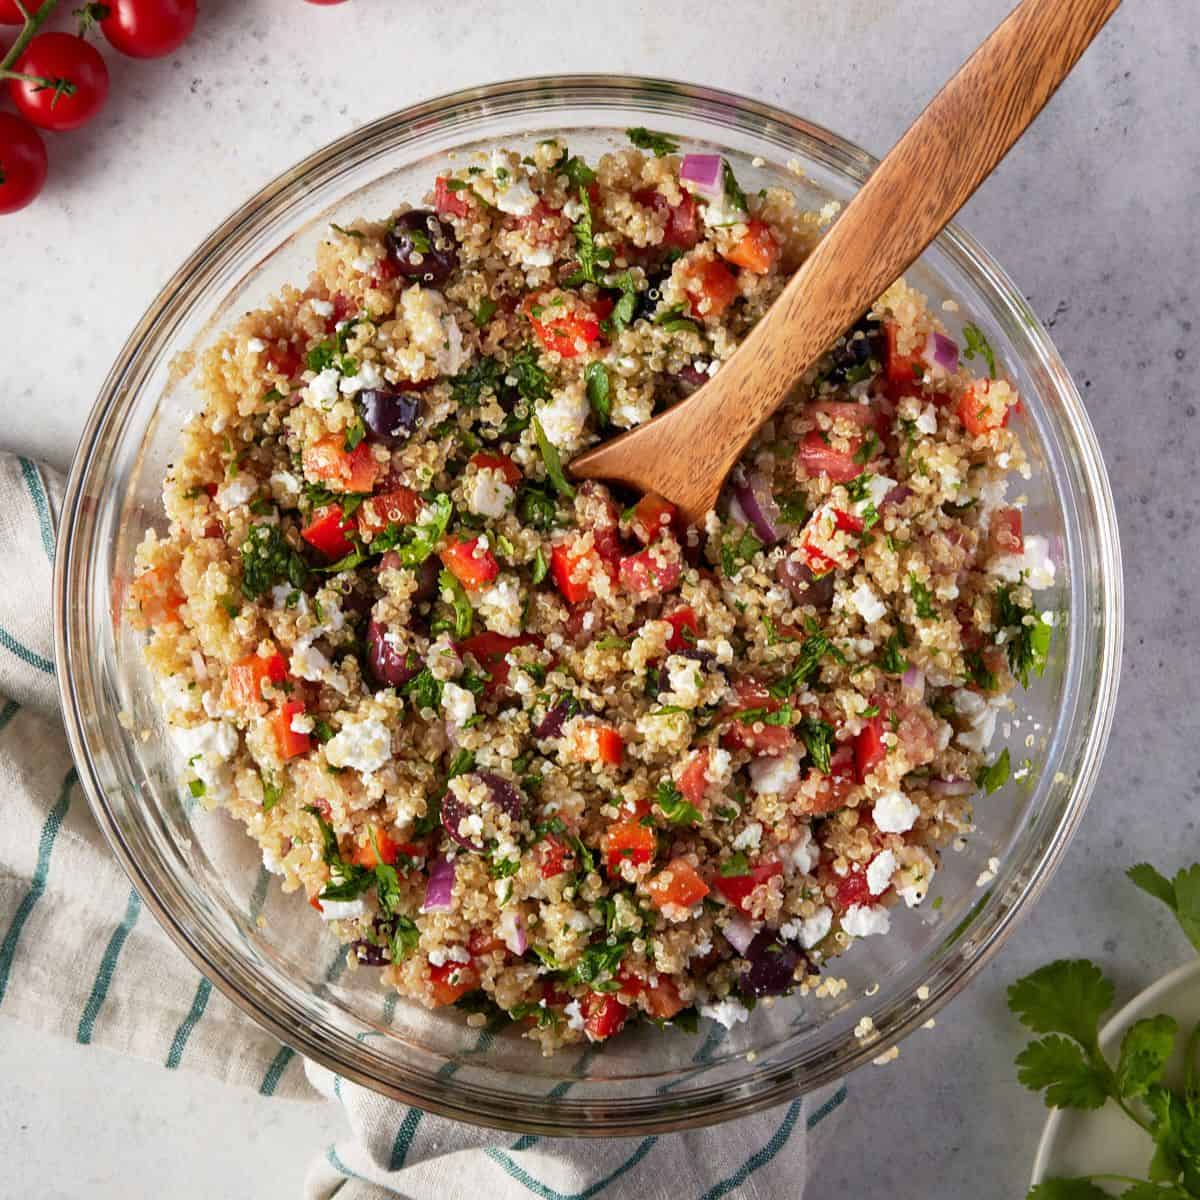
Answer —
(22, 163)
(148, 28)
(83, 75)
(10, 14)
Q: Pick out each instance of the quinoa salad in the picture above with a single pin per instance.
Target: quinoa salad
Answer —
(534, 748)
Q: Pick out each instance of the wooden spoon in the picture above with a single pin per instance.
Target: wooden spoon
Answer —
(685, 453)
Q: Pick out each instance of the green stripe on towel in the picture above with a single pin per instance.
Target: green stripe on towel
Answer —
(280, 1062)
(41, 504)
(37, 885)
(27, 656)
(108, 964)
(7, 713)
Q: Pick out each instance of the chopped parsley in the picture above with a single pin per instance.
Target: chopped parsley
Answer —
(355, 432)
(739, 550)
(196, 787)
(272, 791)
(892, 662)
(995, 775)
(1028, 635)
(673, 806)
(734, 196)
(576, 170)
(267, 559)
(922, 598)
(532, 383)
(978, 344)
(734, 866)
(540, 567)
(598, 393)
(552, 462)
(415, 543)
(590, 256)
(645, 139)
(818, 737)
(673, 321)
(464, 614)
(626, 306)
(485, 312)
(598, 963)
(468, 387)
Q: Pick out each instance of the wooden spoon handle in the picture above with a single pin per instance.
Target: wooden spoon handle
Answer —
(927, 177)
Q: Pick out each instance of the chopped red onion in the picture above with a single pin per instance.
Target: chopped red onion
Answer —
(941, 351)
(897, 495)
(951, 787)
(756, 502)
(440, 885)
(704, 172)
(199, 666)
(515, 937)
(739, 933)
(914, 680)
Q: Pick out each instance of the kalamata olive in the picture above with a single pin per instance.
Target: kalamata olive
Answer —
(647, 301)
(771, 964)
(503, 796)
(804, 587)
(688, 379)
(427, 581)
(391, 666)
(390, 417)
(422, 247)
(551, 725)
(371, 953)
(861, 344)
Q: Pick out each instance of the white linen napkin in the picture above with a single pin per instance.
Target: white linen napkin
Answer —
(79, 958)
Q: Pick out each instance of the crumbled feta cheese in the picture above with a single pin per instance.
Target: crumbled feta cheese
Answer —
(322, 391)
(302, 723)
(564, 417)
(539, 256)
(457, 703)
(895, 813)
(368, 376)
(864, 601)
(686, 679)
(489, 494)
(863, 920)
(322, 308)
(517, 199)
(749, 838)
(289, 599)
(500, 606)
(308, 662)
(632, 408)
(927, 421)
(802, 854)
(720, 767)
(880, 872)
(574, 1016)
(284, 486)
(726, 1012)
(341, 910)
(364, 745)
(207, 749)
(814, 928)
(1034, 562)
(432, 330)
(238, 491)
(773, 776)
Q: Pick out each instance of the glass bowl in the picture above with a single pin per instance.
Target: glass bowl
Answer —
(205, 887)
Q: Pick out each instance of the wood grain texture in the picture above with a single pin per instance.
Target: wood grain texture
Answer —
(968, 127)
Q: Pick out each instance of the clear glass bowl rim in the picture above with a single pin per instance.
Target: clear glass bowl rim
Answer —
(541, 98)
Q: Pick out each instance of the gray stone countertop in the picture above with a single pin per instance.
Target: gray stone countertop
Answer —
(1094, 214)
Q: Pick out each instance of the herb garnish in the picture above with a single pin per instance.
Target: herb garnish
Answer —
(645, 139)
(978, 344)
(596, 377)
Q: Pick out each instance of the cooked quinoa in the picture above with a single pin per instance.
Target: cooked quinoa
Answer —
(536, 748)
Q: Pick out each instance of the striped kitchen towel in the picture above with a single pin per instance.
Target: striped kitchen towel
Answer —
(78, 957)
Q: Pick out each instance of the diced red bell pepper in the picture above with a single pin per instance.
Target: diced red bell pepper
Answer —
(450, 202)
(817, 457)
(490, 651)
(158, 596)
(869, 749)
(1005, 533)
(246, 677)
(683, 228)
(604, 1015)
(651, 516)
(903, 372)
(499, 462)
(328, 461)
(852, 889)
(471, 565)
(364, 855)
(711, 287)
(758, 251)
(737, 888)
(328, 532)
(684, 628)
(563, 568)
(610, 746)
(452, 981)
(662, 1000)
(563, 329)
(830, 791)
(693, 779)
(553, 854)
(976, 414)
(396, 506)
(288, 742)
(677, 884)
(628, 841)
(652, 572)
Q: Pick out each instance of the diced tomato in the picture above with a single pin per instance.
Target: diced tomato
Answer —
(329, 462)
(287, 740)
(316, 904)
(158, 596)
(976, 414)
(246, 677)
(563, 568)
(850, 412)
(853, 889)
(651, 515)
(610, 746)
(284, 359)
(490, 651)
(755, 736)
(469, 563)
(1005, 532)
(817, 457)
(479, 943)
(652, 572)
(553, 855)
(662, 1000)
(499, 462)
(711, 286)
(628, 841)
(737, 888)
(869, 750)
(450, 202)
(678, 884)
(693, 779)
(902, 371)
(684, 628)
(850, 522)
(328, 532)
(562, 329)
(452, 981)
(682, 230)
(832, 790)
(758, 251)
(364, 855)
(604, 1015)
(396, 506)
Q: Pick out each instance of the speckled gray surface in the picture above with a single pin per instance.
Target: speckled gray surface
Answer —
(1094, 215)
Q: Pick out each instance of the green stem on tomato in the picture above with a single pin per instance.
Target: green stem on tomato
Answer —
(64, 86)
(32, 25)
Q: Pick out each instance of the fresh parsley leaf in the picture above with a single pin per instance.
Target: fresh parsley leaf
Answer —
(816, 646)
(1145, 1049)
(540, 567)
(978, 671)
(468, 387)
(978, 344)
(1181, 895)
(576, 170)
(738, 550)
(415, 543)
(598, 962)
(355, 432)
(818, 737)
(995, 775)
(403, 939)
(1059, 1066)
(357, 234)
(590, 256)
(673, 806)
(462, 763)
(922, 598)
(1027, 634)
(596, 377)
(659, 143)
(197, 787)
(272, 791)
(424, 689)
(552, 462)
(625, 308)
(734, 196)
(1068, 996)
(735, 866)
(485, 312)
(792, 508)
(267, 559)
(892, 662)
(672, 320)
(464, 614)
